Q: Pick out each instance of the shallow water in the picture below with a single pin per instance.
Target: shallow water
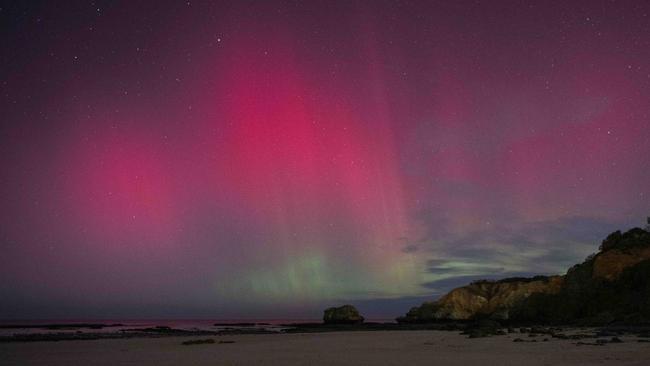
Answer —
(118, 325)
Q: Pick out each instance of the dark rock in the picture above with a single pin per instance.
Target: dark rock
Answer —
(489, 324)
(573, 336)
(484, 328)
(604, 333)
(526, 341)
(477, 333)
(644, 334)
(198, 341)
(541, 330)
(589, 344)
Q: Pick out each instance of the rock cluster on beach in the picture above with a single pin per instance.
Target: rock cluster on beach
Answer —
(612, 285)
(346, 314)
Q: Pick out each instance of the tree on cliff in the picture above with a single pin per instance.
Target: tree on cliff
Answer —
(647, 227)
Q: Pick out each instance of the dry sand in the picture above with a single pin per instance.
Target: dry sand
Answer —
(343, 348)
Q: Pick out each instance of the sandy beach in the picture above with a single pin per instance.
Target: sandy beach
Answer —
(337, 348)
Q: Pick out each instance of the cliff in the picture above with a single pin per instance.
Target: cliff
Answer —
(612, 285)
(483, 299)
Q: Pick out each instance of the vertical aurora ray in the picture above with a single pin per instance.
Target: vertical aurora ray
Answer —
(321, 184)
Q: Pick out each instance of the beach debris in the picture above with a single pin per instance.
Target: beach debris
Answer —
(519, 340)
(590, 344)
(198, 341)
(573, 336)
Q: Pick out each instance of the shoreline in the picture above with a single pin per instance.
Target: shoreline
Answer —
(480, 329)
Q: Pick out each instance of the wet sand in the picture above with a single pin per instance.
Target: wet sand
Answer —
(336, 348)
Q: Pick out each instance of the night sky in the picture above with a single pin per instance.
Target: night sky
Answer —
(258, 159)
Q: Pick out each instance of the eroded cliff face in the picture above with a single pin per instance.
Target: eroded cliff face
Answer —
(610, 285)
(483, 298)
(492, 298)
(610, 264)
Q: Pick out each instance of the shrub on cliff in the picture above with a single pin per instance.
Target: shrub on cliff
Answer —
(632, 238)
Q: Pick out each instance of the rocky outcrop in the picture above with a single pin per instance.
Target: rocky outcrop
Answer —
(612, 285)
(346, 314)
(483, 299)
(611, 264)
(621, 251)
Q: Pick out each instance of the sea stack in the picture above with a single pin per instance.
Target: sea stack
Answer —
(346, 314)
